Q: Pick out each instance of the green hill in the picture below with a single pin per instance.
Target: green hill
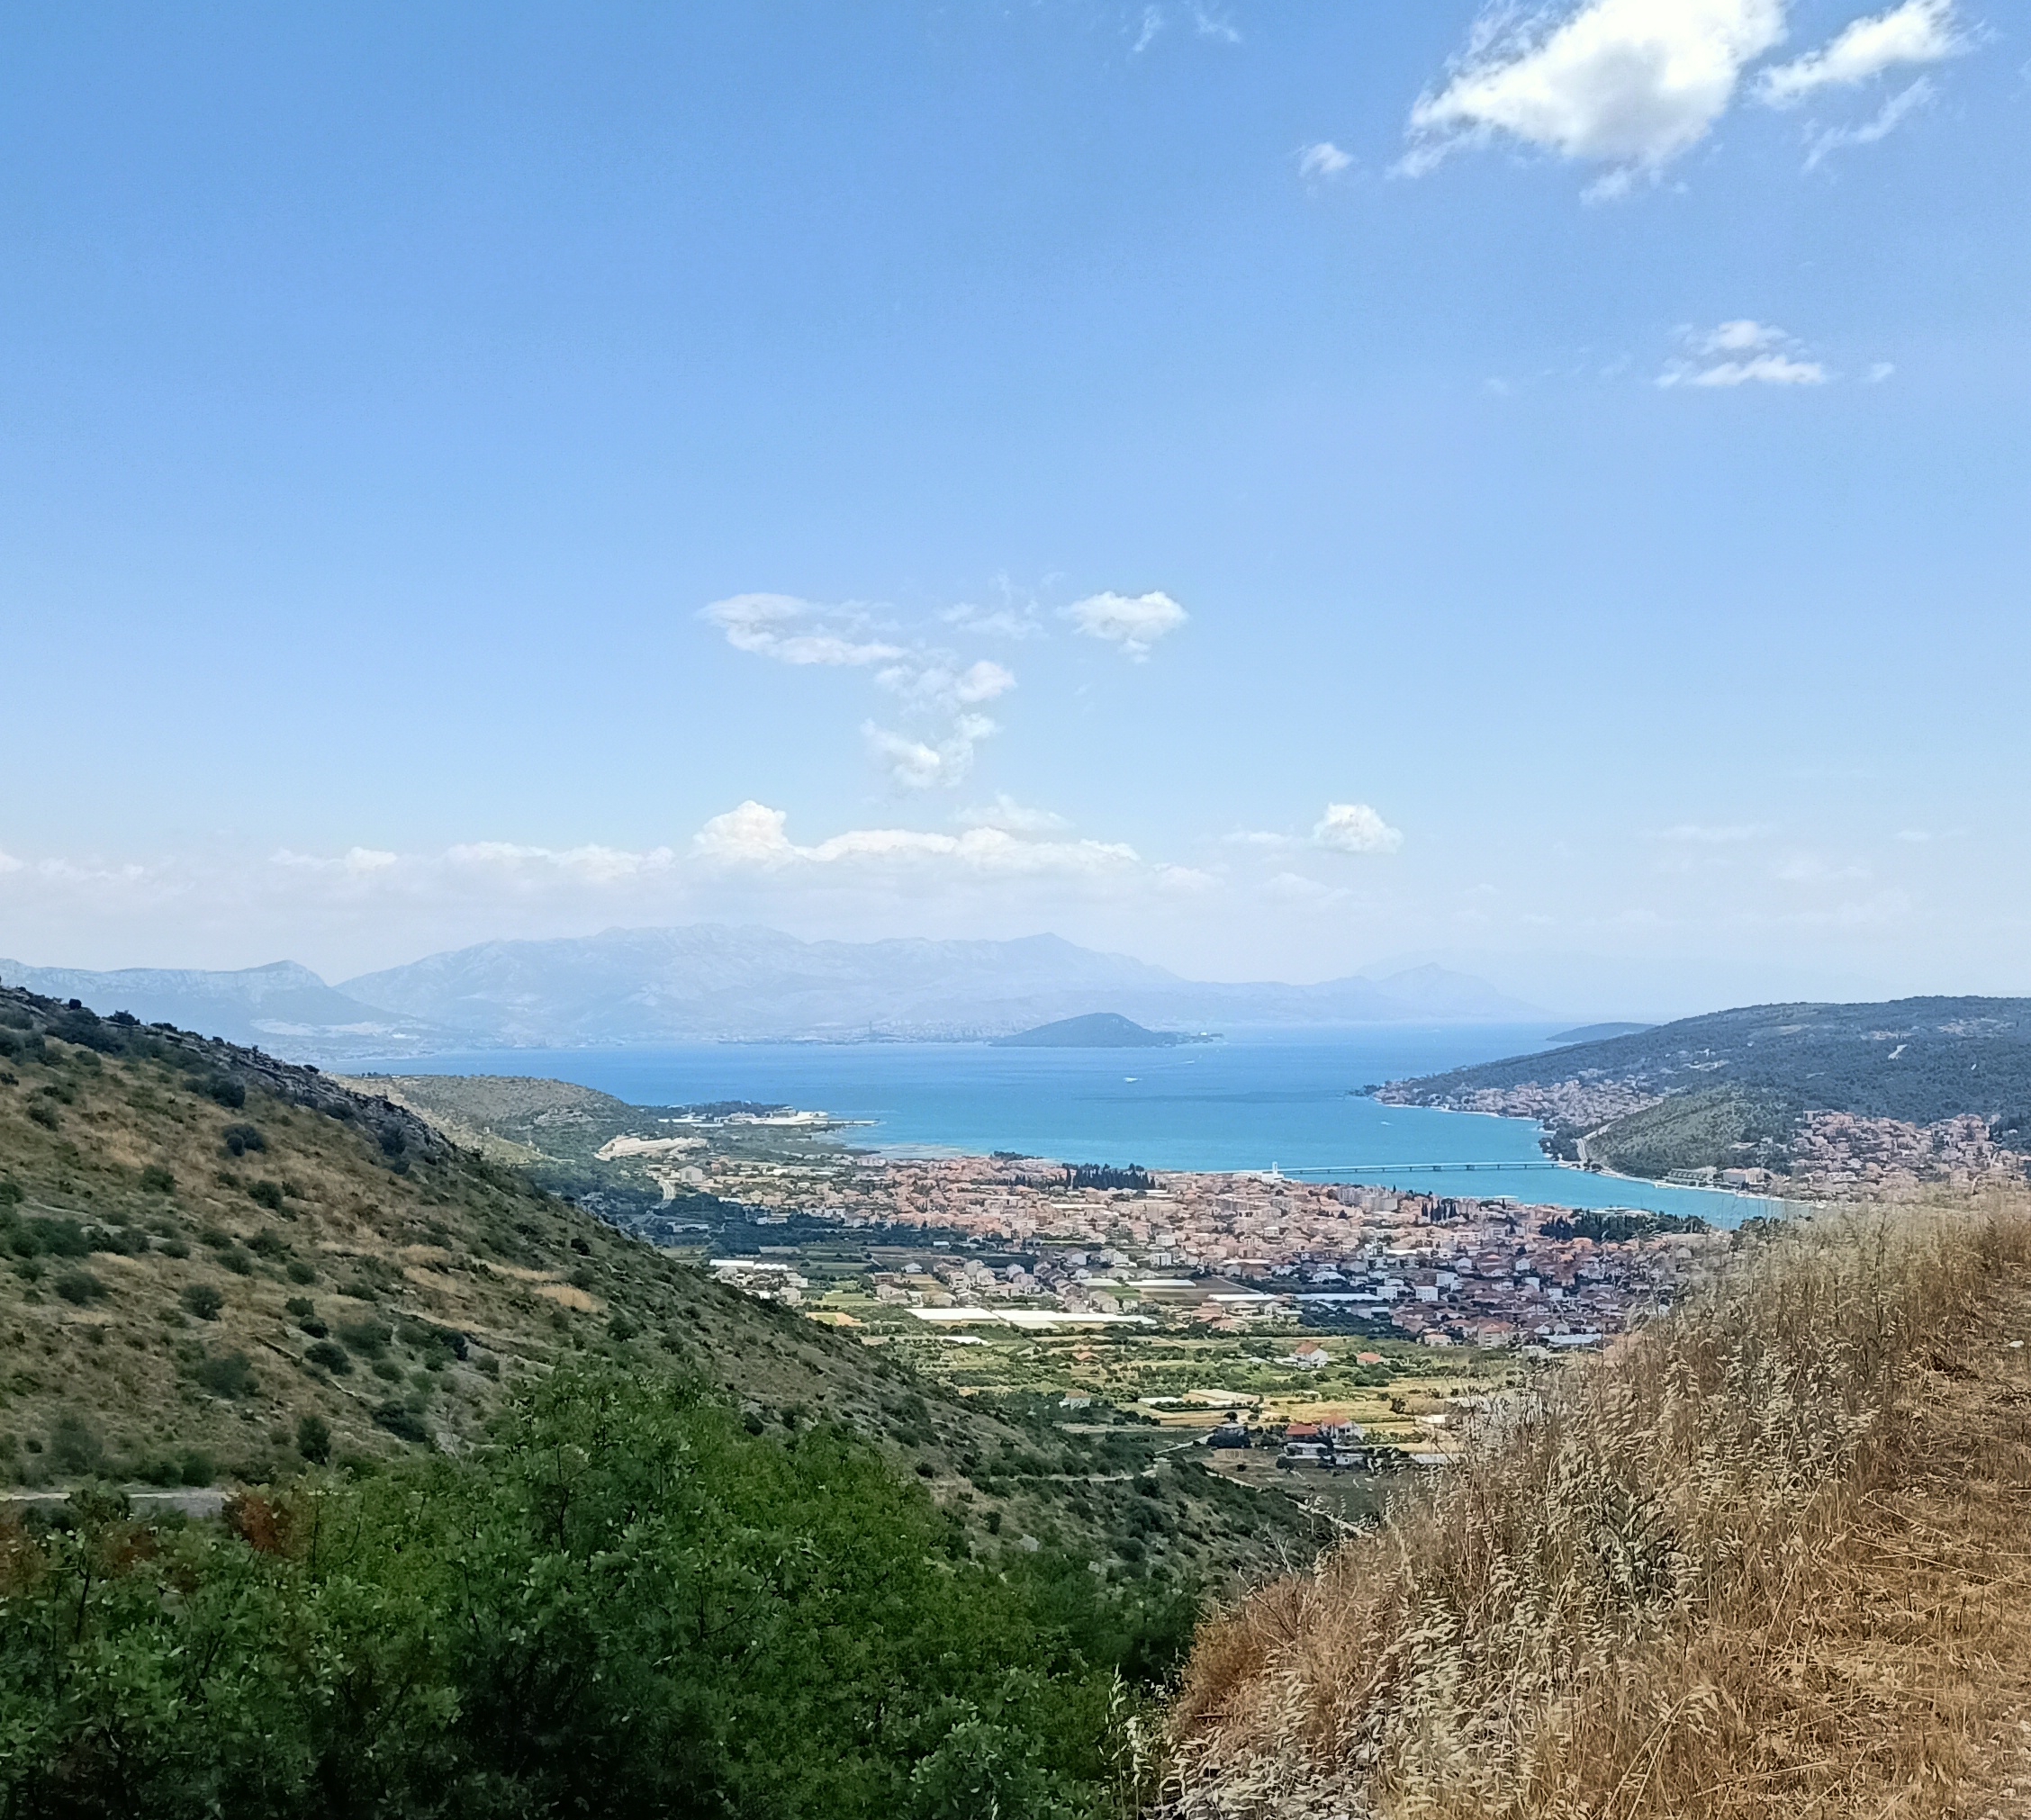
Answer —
(1733, 1084)
(1096, 1030)
(217, 1265)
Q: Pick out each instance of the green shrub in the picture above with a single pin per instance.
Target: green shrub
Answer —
(297, 1271)
(313, 1440)
(201, 1300)
(74, 1446)
(401, 1422)
(241, 1138)
(300, 1307)
(227, 1091)
(226, 1374)
(78, 1286)
(156, 1180)
(369, 1338)
(268, 1194)
(330, 1357)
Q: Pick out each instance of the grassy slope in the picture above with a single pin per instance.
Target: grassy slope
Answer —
(1765, 1558)
(399, 1228)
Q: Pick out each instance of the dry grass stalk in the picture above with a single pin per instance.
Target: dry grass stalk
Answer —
(1766, 1557)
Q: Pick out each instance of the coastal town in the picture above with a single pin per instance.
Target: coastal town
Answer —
(1024, 1245)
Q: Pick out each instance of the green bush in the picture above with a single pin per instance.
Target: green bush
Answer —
(78, 1286)
(227, 1374)
(368, 1338)
(624, 1607)
(227, 1091)
(330, 1357)
(297, 1271)
(268, 1194)
(313, 1440)
(201, 1300)
(156, 1180)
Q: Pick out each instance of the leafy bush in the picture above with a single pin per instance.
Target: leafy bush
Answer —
(627, 1607)
(331, 1357)
(241, 1138)
(202, 1300)
(401, 1422)
(227, 1374)
(156, 1180)
(78, 1286)
(313, 1440)
(74, 1446)
(268, 1194)
(297, 1271)
(227, 1091)
(369, 1338)
(298, 1306)
(269, 1243)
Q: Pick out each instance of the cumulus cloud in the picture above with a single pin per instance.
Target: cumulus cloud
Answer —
(1742, 353)
(1916, 32)
(754, 836)
(1626, 84)
(1324, 159)
(793, 631)
(916, 764)
(8, 863)
(939, 684)
(1133, 623)
(1356, 828)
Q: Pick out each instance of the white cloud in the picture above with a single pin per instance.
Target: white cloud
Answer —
(1879, 371)
(358, 861)
(794, 631)
(1880, 125)
(1324, 159)
(1742, 353)
(942, 685)
(1258, 837)
(916, 764)
(590, 865)
(1356, 828)
(1627, 84)
(8, 863)
(1012, 817)
(754, 836)
(1919, 31)
(1133, 622)
(996, 622)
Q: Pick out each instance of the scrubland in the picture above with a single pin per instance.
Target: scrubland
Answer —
(1768, 1556)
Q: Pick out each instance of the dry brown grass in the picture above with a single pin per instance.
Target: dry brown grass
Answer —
(1768, 1557)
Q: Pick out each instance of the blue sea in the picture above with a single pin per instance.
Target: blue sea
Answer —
(1286, 1099)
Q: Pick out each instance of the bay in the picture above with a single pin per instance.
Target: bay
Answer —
(1283, 1100)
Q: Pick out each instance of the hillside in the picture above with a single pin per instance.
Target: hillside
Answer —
(222, 1264)
(1765, 1557)
(1742, 1087)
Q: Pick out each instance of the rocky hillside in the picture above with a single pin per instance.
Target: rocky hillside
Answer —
(217, 1266)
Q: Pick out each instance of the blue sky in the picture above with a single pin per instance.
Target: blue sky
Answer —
(1280, 490)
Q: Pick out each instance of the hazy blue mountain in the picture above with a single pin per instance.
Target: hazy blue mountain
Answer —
(636, 985)
(283, 1008)
(1096, 1030)
(710, 981)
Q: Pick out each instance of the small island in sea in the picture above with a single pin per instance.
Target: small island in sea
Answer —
(1096, 1030)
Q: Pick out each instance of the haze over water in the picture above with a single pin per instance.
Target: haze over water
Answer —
(1270, 1099)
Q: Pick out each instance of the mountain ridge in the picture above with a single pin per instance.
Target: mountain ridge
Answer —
(705, 982)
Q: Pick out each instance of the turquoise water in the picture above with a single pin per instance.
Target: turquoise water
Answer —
(1270, 1100)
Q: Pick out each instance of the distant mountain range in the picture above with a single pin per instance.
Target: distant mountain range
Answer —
(712, 981)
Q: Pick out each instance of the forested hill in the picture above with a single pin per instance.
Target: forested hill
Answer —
(1916, 1060)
